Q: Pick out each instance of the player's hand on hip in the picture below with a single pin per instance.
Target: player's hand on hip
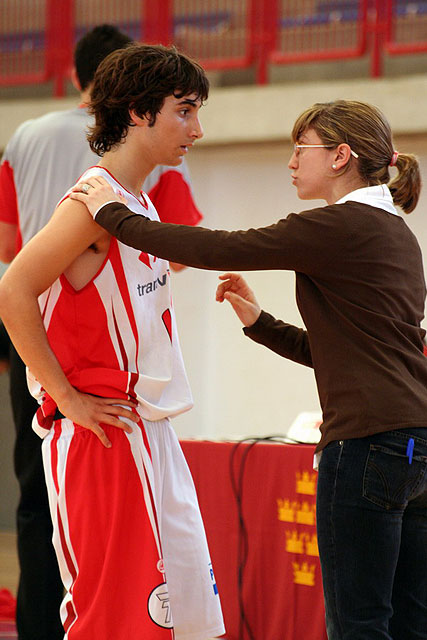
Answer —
(95, 192)
(91, 411)
(236, 291)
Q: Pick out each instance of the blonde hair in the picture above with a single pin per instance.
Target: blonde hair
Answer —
(366, 130)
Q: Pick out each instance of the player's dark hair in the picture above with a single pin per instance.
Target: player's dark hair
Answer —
(93, 47)
(139, 77)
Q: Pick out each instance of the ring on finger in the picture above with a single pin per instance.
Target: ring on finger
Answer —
(85, 187)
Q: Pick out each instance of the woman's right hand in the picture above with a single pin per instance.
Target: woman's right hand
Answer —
(95, 192)
(236, 291)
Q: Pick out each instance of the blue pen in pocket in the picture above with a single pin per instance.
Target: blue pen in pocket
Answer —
(410, 449)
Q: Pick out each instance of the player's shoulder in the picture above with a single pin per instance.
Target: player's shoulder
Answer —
(141, 205)
(95, 171)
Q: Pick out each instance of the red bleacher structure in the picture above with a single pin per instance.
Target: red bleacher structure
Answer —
(37, 37)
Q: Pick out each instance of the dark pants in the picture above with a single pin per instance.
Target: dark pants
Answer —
(40, 590)
(372, 533)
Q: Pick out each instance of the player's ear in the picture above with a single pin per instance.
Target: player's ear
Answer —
(139, 121)
(75, 79)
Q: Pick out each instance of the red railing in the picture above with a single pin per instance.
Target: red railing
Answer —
(37, 36)
(406, 27)
(307, 31)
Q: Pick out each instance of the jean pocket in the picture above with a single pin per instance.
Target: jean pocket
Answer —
(389, 480)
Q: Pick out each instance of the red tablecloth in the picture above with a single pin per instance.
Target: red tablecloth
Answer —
(7, 605)
(281, 586)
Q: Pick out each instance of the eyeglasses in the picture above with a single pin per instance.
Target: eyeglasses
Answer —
(297, 147)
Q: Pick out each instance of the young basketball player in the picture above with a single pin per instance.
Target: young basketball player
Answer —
(93, 320)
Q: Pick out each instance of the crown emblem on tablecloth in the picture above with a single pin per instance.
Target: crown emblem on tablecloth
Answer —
(286, 510)
(311, 547)
(306, 483)
(294, 542)
(304, 573)
(306, 514)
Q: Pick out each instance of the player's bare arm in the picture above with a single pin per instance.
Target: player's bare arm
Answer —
(72, 244)
(8, 232)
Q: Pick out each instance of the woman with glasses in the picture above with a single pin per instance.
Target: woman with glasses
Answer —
(361, 292)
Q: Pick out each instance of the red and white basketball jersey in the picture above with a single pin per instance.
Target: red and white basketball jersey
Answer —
(117, 336)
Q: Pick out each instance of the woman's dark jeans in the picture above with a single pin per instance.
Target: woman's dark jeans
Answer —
(372, 534)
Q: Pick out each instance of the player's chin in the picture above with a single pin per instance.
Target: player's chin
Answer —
(175, 162)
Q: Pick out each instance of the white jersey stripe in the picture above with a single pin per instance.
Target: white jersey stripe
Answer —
(55, 449)
(144, 466)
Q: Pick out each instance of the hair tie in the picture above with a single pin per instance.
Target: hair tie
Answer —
(394, 159)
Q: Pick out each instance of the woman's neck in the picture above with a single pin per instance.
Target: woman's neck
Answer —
(341, 187)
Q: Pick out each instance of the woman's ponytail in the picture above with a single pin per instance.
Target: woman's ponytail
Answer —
(406, 186)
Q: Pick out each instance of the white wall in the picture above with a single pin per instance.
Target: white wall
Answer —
(241, 388)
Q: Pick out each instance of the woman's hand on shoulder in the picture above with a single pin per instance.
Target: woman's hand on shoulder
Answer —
(95, 192)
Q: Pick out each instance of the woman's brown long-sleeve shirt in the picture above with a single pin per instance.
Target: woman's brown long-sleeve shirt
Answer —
(360, 290)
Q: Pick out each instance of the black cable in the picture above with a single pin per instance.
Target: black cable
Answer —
(243, 538)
